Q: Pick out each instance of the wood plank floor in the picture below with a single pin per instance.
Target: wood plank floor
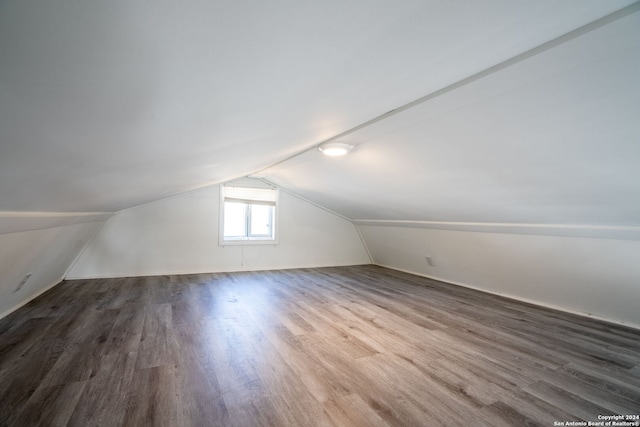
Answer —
(344, 346)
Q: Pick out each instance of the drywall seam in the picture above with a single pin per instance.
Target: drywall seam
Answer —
(184, 193)
(291, 193)
(20, 221)
(30, 298)
(491, 224)
(559, 230)
(364, 243)
(516, 298)
(38, 214)
(297, 196)
(205, 187)
(169, 197)
(84, 248)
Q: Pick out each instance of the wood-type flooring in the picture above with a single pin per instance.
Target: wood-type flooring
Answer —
(339, 346)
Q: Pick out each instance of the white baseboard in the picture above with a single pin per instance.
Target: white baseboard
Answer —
(517, 298)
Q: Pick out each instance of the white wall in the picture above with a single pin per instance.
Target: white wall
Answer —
(46, 252)
(180, 235)
(598, 277)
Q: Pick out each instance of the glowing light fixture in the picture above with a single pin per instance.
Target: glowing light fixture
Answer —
(335, 149)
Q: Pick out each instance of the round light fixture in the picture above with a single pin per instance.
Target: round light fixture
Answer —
(335, 149)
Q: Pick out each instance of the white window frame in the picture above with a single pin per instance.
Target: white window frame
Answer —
(257, 240)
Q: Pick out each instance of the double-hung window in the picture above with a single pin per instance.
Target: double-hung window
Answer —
(248, 215)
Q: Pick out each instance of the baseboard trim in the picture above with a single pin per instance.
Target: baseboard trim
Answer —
(184, 273)
(439, 279)
(30, 298)
(516, 298)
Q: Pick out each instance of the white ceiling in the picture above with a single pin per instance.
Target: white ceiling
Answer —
(107, 105)
(553, 139)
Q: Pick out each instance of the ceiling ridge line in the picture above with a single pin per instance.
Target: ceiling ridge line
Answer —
(564, 38)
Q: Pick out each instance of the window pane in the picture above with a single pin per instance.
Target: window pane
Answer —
(261, 219)
(234, 219)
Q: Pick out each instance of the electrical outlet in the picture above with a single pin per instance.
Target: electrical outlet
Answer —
(429, 261)
(22, 283)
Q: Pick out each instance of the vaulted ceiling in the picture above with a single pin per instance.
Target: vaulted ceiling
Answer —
(108, 105)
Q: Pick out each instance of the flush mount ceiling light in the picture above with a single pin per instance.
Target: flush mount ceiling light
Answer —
(335, 149)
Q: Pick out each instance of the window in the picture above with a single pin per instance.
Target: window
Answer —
(248, 215)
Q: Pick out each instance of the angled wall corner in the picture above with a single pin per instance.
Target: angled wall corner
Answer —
(596, 277)
(43, 252)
